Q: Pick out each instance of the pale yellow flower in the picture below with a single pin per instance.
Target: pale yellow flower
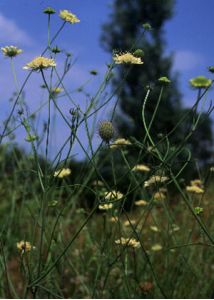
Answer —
(141, 168)
(141, 203)
(24, 246)
(119, 143)
(113, 195)
(194, 189)
(154, 228)
(11, 51)
(105, 206)
(97, 183)
(196, 182)
(128, 242)
(114, 219)
(62, 173)
(156, 247)
(39, 63)
(127, 58)
(155, 179)
(67, 16)
(159, 196)
(56, 90)
(127, 222)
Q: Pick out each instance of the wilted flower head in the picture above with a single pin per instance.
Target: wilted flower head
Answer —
(141, 168)
(11, 51)
(113, 195)
(119, 143)
(105, 206)
(155, 179)
(62, 173)
(200, 82)
(24, 246)
(127, 58)
(93, 72)
(146, 286)
(128, 242)
(67, 16)
(106, 131)
(40, 63)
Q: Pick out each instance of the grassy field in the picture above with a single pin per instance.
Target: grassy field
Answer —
(157, 249)
(133, 220)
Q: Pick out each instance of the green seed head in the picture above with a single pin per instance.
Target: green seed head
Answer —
(164, 80)
(211, 69)
(147, 26)
(200, 82)
(139, 53)
(106, 131)
(49, 11)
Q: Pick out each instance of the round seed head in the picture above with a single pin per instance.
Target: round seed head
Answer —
(106, 131)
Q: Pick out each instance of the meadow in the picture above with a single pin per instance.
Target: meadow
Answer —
(111, 226)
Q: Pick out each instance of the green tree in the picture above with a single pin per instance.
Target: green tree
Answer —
(125, 32)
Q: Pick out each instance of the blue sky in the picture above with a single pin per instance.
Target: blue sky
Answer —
(189, 35)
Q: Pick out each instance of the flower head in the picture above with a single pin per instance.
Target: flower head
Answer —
(55, 91)
(11, 51)
(141, 203)
(105, 206)
(198, 210)
(155, 228)
(113, 195)
(40, 63)
(24, 246)
(194, 189)
(155, 179)
(156, 247)
(200, 82)
(211, 69)
(147, 26)
(196, 182)
(128, 242)
(49, 11)
(159, 196)
(141, 168)
(127, 222)
(62, 173)
(119, 143)
(138, 53)
(67, 16)
(164, 80)
(127, 58)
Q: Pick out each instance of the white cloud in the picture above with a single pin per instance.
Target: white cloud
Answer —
(186, 60)
(11, 33)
